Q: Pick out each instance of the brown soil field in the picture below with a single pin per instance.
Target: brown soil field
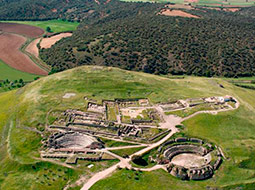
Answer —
(231, 9)
(168, 12)
(32, 47)
(22, 29)
(10, 54)
(48, 42)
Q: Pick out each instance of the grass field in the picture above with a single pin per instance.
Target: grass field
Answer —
(112, 143)
(9, 73)
(55, 25)
(126, 151)
(234, 131)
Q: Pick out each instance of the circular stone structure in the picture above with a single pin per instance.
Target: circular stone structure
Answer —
(76, 141)
(189, 160)
(72, 140)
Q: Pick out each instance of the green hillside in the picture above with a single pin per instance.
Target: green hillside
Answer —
(23, 116)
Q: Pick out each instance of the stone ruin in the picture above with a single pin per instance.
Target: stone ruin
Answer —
(93, 107)
(143, 102)
(72, 141)
(180, 104)
(194, 146)
(76, 116)
(191, 102)
(72, 146)
(129, 131)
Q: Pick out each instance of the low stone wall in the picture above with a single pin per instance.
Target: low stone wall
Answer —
(179, 149)
(190, 145)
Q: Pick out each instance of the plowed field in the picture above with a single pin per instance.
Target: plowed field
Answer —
(10, 53)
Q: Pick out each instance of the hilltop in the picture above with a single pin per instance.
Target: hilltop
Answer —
(25, 113)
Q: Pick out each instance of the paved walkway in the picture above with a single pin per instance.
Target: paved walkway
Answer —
(98, 176)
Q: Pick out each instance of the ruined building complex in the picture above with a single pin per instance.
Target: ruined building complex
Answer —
(76, 134)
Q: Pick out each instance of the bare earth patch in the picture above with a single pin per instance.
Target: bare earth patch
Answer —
(69, 95)
(168, 12)
(22, 29)
(232, 9)
(32, 48)
(133, 113)
(10, 54)
(54, 10)
(190, 160)
(48, 42)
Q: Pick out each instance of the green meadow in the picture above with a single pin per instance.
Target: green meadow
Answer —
(55, 25)
(7, 72)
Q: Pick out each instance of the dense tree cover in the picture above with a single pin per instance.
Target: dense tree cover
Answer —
(248, 12)
(48, 9)
(9, 85)
(132, 36)
(136, 38)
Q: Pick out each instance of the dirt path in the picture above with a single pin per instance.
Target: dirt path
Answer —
(214, 112)
(156, 167)
(33, 49)
(99, 176)
(154, 145)
(124, 163)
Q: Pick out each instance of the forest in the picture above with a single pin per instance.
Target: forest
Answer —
(133, 36)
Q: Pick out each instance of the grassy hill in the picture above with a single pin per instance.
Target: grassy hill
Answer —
(23, 116)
